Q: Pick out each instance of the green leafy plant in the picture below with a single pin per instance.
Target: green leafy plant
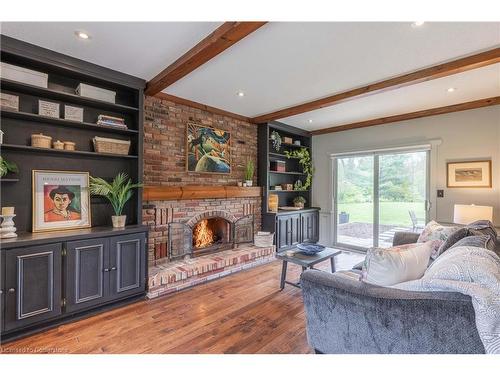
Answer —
(276, 137)
(299, 199)
(249, 170)
(7, 166)
(305, 161)
(118, 192)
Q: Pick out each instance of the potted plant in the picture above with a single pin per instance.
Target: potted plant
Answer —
(299, 201)
(118, 192)
(7, 166)
(249, 171)
(276, 138)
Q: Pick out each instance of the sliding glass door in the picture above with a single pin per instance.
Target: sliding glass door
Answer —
(378, 194)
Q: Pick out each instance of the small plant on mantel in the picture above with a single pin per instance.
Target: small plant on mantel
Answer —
(7, 166)
(118, 192)
(305, 161)
(249, 172)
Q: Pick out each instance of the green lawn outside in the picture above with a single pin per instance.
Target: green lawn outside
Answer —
(391, 213)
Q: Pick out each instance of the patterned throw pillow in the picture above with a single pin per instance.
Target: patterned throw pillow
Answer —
(396, 264)
(436, 233)
(452, 240)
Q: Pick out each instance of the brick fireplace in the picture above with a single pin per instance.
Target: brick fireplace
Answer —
(182, 218)
(176, 217)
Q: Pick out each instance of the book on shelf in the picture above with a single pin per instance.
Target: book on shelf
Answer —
(112, 125)
(107, 118)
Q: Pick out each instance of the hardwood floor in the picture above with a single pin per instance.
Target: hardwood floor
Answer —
(242, 313)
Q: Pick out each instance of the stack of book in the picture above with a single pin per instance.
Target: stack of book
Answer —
(115, 122)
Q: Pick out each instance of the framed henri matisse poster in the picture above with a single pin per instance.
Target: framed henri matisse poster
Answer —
(208, 150)
(472, 174)
(61, 200)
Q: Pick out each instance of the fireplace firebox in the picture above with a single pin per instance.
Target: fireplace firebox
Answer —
(208, 232)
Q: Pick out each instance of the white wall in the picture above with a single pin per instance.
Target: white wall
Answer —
(468, 135)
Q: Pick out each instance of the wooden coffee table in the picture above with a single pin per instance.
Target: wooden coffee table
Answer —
(305, 261)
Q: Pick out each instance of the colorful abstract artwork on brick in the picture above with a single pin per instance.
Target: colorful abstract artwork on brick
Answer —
(208, 149)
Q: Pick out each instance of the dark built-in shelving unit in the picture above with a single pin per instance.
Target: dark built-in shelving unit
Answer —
(290, 227)
(64, 76)
(52, 277)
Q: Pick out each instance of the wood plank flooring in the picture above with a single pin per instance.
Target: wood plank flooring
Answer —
(242, 313)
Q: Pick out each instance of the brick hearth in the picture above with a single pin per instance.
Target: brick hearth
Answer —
(174, 276)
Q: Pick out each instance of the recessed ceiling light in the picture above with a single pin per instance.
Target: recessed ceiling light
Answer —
(82, 35)
(310, 121)
(451, 89)
(417, 23)
(240, 94)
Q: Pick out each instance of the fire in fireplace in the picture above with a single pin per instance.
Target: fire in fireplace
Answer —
(208, 232)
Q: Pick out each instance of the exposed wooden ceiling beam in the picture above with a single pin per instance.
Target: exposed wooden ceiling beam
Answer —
(412, 115)
(437, 71)
(201, 106)
(221, 39)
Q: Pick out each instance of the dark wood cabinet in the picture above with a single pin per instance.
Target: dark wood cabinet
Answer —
(127, 260)
(87, 282)
(294, 228)
(32, 285)
(282, 237)
(46, 283)
(310, 226)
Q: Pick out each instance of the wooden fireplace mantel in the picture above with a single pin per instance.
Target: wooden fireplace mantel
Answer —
(163, 193)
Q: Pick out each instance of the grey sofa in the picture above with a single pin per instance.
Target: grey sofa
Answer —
(344, 315)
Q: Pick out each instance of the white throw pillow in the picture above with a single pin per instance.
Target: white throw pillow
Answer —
(396, 264)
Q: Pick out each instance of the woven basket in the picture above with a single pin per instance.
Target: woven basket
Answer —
(111, 146)
(263, 239)
(40, 140)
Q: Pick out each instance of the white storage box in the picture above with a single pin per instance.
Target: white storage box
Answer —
(30, 77)
(73, 113)
(96, 93)
(48, 109)
(9, 102)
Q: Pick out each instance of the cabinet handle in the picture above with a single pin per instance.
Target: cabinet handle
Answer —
(106, 270)
(113, 269)
(1, 292)
(12, 290)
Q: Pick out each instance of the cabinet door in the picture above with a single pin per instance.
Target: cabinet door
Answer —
(310, 223)
(87, 275)
(32, 284)
(295, 233)
(282, 233)
(2, 291)
(127, 265)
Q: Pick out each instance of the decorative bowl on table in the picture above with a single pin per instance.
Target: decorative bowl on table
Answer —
(310, 248)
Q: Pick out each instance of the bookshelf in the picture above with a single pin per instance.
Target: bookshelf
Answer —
(64, 75)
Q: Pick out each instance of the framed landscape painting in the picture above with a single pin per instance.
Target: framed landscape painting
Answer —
(60, 200)
(469, 174)
(208, 150)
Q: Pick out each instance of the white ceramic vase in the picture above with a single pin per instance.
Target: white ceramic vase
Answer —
(249, 183)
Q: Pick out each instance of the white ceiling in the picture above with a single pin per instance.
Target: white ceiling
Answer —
(471, 85)
(285, 64)
(141, 49)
